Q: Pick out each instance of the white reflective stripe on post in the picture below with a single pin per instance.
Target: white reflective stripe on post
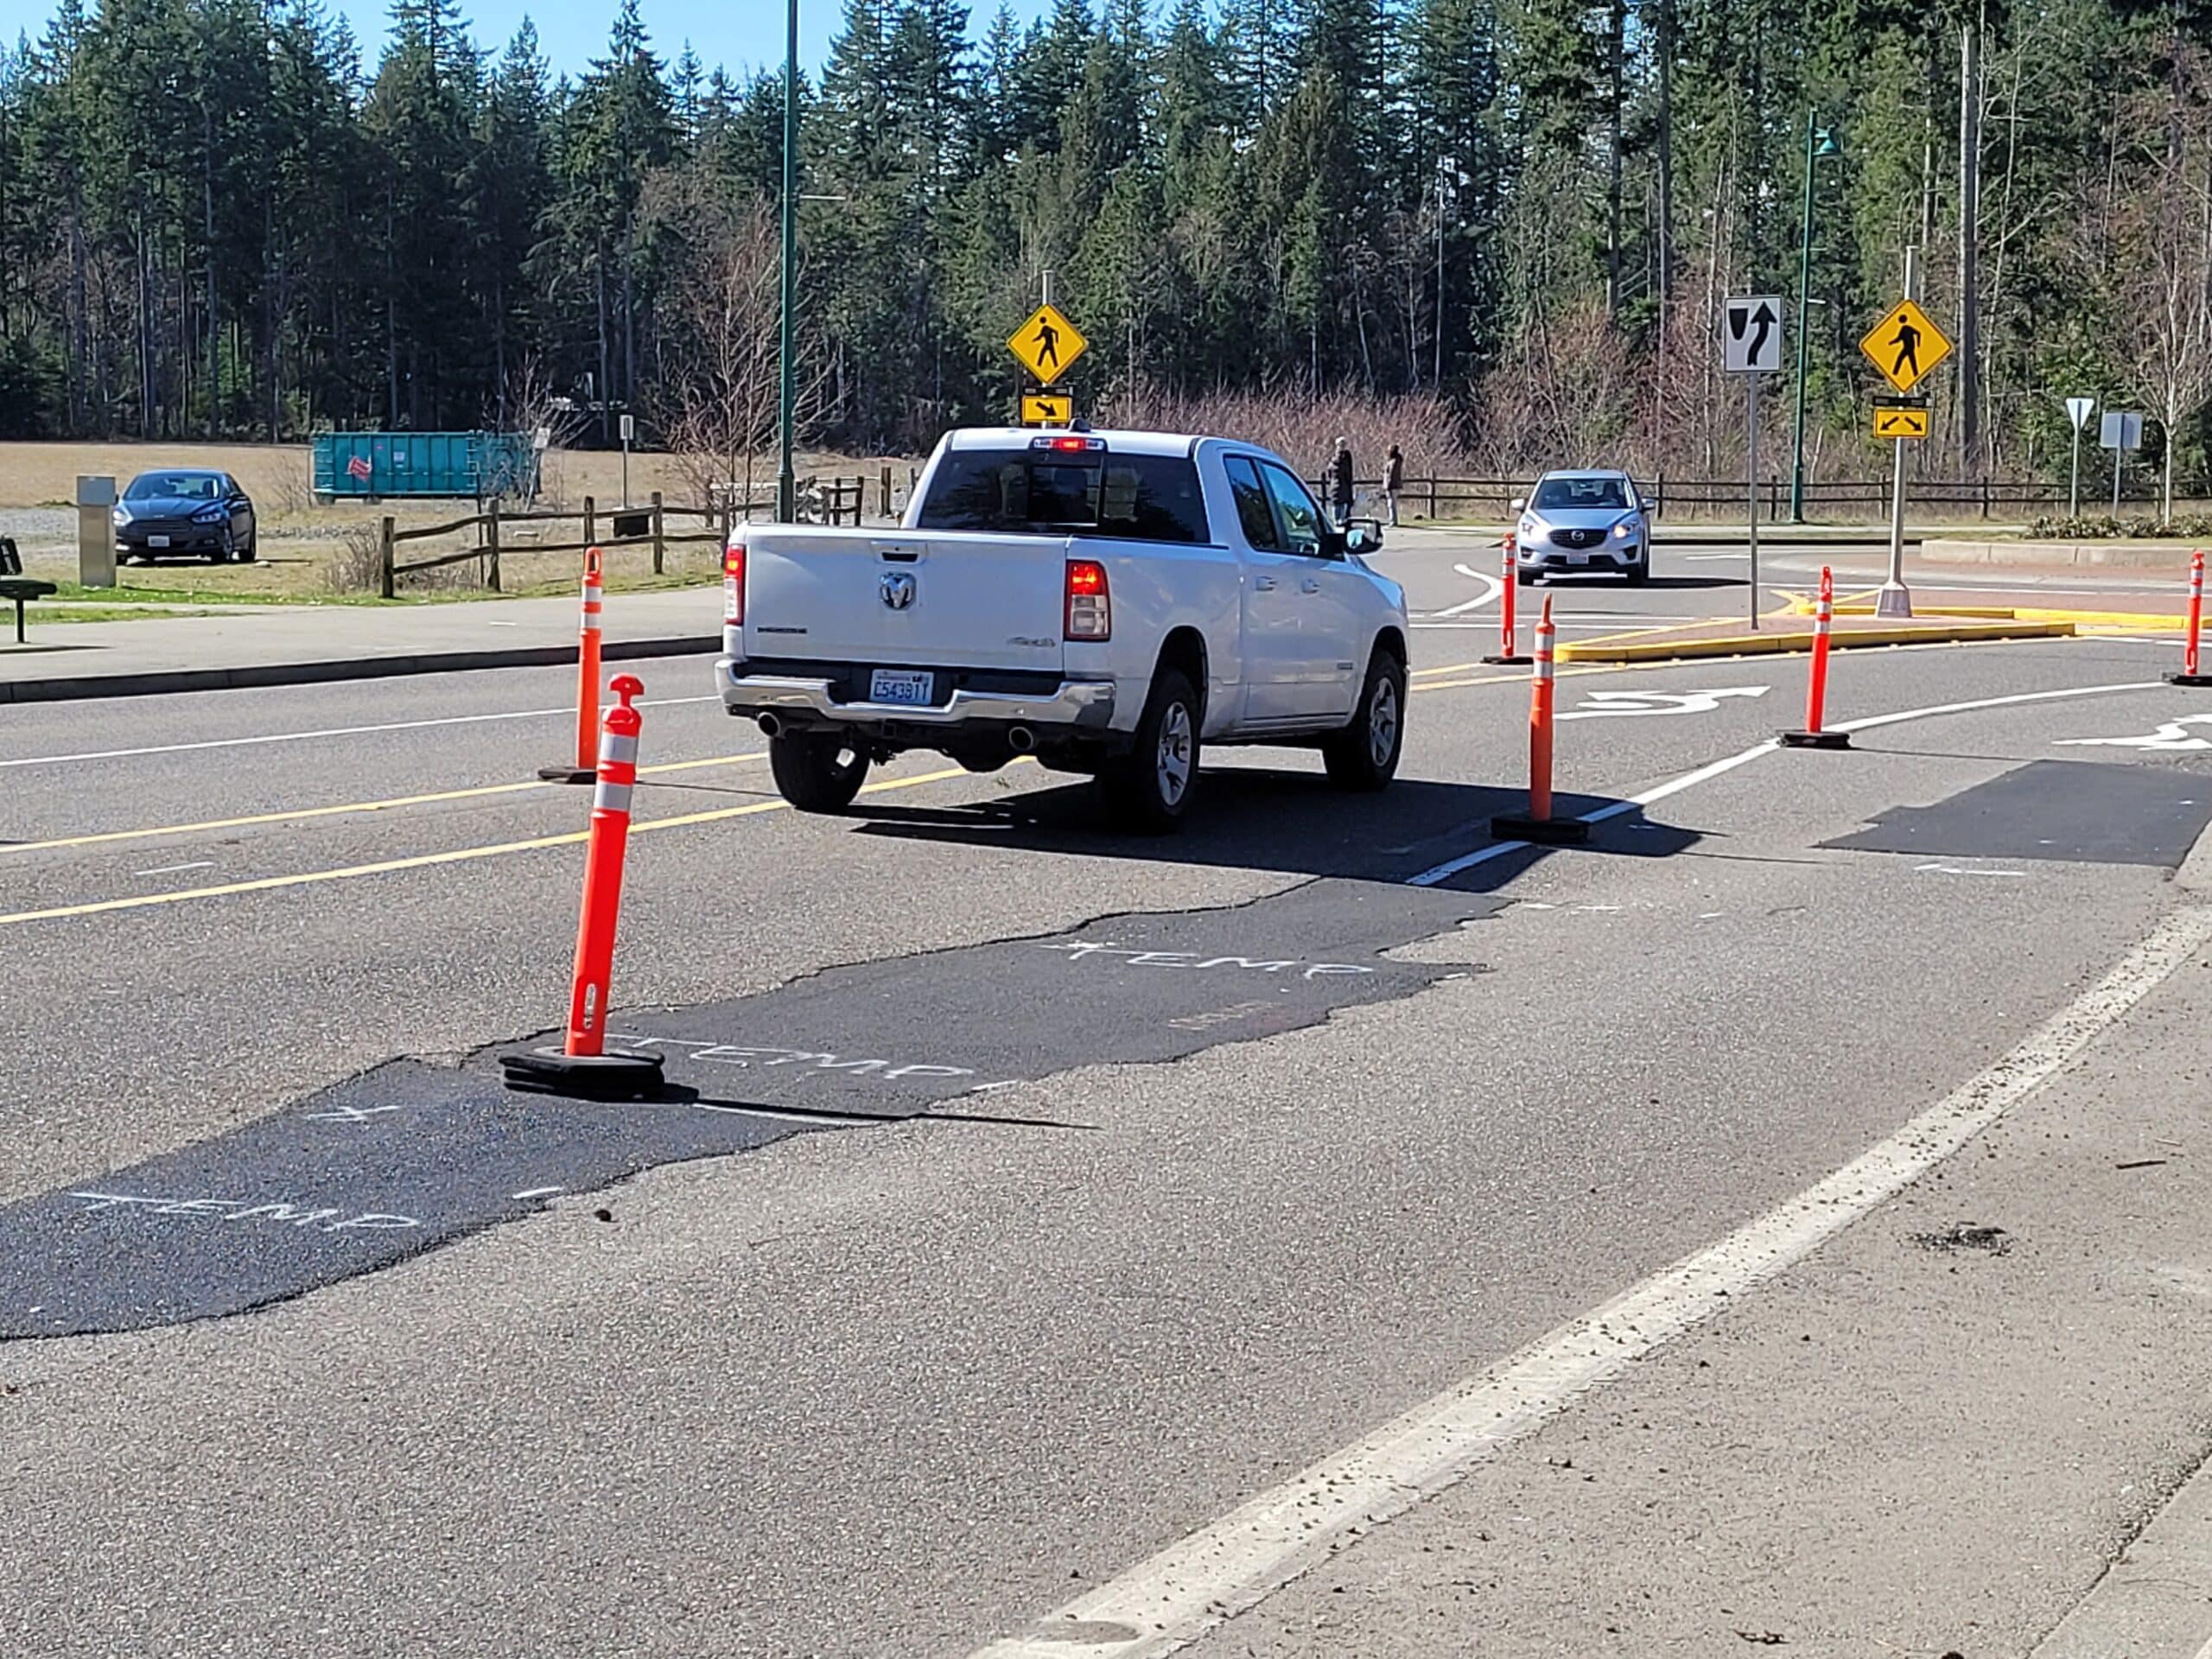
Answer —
(617, 748)
(612, 797)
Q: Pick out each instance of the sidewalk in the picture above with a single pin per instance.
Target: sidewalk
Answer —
(299, 645)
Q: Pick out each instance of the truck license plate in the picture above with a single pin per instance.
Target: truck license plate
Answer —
(158, 541)
(893, 685)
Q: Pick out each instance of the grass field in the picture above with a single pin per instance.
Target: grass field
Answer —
(311, 552)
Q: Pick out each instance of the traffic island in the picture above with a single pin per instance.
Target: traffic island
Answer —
(1731, 638)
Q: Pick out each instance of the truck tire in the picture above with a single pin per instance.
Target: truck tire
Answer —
(1149, 789)
(1364, 755)
(816, 773)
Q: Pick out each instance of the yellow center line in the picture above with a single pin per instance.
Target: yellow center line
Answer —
(425, 860)
(396, 801)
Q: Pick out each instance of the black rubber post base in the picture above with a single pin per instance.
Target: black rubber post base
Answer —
(1510, 662)
(567, 774)
(612, 1076)
(1816, 740)
(2188, 679)
(1548, 832)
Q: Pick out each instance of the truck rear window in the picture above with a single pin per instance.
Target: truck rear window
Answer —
(1134, 497)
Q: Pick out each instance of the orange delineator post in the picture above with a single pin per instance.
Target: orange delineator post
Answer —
(582, 1065)
(1539, 825)
(1509, 648)
(2191, 675)
(1816, 690)
(587, 673)
(610, 841)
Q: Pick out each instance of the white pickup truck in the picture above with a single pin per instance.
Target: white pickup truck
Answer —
(1109, 602)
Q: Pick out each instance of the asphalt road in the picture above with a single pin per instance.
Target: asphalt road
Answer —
(899, 1365)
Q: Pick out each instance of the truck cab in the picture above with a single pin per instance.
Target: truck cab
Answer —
(1107, 602)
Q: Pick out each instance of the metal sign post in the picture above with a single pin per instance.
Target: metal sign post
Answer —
(1905, 346)
(2120, 432)
(1751, 345)
(2077, 411)
(629, 430)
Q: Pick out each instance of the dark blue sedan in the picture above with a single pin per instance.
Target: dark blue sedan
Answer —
(185, 512)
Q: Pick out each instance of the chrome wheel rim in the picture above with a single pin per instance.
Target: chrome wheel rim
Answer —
(1176, 743)
(1383, 721)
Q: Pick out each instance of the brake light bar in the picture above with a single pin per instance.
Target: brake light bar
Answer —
(1070, 445)
(734, 585)
(1089, 605)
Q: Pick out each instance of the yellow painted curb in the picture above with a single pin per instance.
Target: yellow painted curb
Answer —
(1979, 612)
(1777, 644)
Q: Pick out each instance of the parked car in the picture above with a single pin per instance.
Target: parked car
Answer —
(185, 512)
(1584, 521)
(1109, 602)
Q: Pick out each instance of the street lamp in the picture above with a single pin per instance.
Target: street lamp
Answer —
(1819, 142)
(786, 481)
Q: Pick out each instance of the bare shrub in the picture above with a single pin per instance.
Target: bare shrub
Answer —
(358, 565)
(1304, 428)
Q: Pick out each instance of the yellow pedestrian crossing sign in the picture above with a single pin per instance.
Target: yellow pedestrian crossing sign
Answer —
(1900, 420)
(1905, 346)
(1048, 344)
(1046, 408)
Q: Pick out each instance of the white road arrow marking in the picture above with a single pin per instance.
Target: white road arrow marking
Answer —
(1492, 586)
(1602, 705)
(2171, 737)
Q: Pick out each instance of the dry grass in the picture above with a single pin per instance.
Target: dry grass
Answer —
(310, 551)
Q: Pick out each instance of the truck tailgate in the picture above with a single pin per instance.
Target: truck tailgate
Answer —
(917, 598)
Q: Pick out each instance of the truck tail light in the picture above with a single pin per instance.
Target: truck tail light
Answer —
(1090, 606)
(734, 585)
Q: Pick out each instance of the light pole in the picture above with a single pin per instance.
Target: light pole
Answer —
(787, 399)
(1819, 142)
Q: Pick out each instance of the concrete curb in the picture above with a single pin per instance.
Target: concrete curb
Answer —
(1784, 643)
(169, 682)
(2125, 556)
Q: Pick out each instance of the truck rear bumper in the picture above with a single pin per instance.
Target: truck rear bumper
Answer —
(805, 704)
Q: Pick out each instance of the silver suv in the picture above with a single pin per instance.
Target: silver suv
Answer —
(1585, 521)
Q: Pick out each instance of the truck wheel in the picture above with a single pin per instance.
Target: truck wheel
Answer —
(816, 773)
(1364, 755)
(1149, 789)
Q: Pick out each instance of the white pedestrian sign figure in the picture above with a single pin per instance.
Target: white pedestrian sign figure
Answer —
(2171, 738)
(1605, 705)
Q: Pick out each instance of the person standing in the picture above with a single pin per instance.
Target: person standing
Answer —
(1340, 483)
(1394, 478)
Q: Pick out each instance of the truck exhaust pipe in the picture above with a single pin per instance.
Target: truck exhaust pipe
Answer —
(771, 726)
(1021, 741)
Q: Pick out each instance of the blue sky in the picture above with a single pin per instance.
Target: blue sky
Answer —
(736, 34)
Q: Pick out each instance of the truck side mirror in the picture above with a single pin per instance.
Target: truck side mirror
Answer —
(1519, 502)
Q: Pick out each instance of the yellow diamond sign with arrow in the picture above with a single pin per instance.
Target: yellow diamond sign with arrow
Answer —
(1905, 346)
(1048, 344)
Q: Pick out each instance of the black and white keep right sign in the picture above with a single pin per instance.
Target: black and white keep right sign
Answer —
(1751, 339)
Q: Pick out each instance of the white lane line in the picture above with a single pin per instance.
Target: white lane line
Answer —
(1450, 867)
(539, 1191)
(1492, 586)
(1210, 1577)
(331, 731)
(1709, 558)
(1958, 869)
(172, 869)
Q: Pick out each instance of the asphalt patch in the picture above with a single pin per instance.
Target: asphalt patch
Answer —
(2075, 810)
(408, 1156)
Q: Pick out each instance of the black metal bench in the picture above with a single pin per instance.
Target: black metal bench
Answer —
(20, 588)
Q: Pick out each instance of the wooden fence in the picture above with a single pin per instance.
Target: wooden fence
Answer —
(646, 526)
(1985, 497)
